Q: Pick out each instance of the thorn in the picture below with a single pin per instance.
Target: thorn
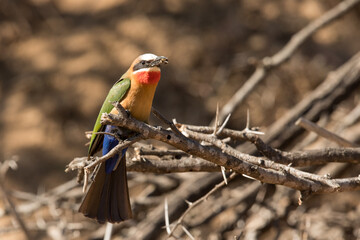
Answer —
(185, 134)
(188, 233)
(216, 123)
(244, 175)
(188, 202)
(247, 119)
(224, 174)
(224, 124)
(254, 132)
(166, 210)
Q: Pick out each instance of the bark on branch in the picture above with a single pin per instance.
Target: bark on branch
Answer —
(221, 154)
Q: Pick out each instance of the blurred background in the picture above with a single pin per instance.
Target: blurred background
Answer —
(59, 58)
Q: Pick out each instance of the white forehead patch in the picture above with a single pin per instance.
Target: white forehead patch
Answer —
(147, 56)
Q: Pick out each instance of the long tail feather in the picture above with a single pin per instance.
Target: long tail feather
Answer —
(108, 197)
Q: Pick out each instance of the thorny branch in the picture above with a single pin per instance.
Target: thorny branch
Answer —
(219, 153)
(194, 164)
(257, 167)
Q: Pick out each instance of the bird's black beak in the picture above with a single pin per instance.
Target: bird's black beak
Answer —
(158, 61)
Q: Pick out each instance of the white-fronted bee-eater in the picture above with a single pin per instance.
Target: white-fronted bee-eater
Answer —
(107, 199)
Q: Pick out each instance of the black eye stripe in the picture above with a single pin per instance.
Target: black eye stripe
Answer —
(142, 64)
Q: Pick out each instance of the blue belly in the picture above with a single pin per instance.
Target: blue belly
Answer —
(109, 143)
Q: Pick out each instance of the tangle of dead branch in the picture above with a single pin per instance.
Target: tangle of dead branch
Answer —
(263, 168)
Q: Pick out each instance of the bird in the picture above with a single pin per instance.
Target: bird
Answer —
(107, 199)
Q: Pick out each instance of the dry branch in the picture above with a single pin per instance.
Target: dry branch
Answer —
(194, 164)
(171, 166)
(337, 85)
(310, 126)
(268, 63)
(256, 167)
(295, 158)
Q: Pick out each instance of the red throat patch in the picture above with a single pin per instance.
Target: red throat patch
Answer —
(147, 77)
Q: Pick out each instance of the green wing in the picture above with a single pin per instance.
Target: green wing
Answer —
(116, 93)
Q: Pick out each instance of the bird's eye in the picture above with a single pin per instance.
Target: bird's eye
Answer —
(143, 62)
